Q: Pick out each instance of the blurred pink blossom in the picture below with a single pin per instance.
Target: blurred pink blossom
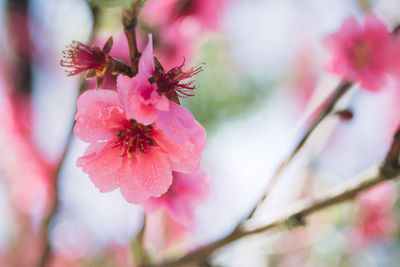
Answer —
(206, 13)
(364, 54)
(186, 192)
(305, 74)
(171, 216)
(375, 218)
(17, 147)
(177, 24)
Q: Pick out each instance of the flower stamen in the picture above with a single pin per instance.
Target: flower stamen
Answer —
(79, 58)
(134, 138)
(170, 83)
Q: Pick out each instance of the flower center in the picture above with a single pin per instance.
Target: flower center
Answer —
(79, 58)
(361, 55)
(173, 84)
(134, 138)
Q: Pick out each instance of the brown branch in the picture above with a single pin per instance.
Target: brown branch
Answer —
(295, 214)
(364, 5)
(46, 252)
(342, 88)
(129, 21)
(138, 250)
(119, 67)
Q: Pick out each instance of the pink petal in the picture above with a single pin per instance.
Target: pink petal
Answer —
(123, 85)
(189, 190)
(105, 166)
(146, 62)
(152, 172)
(163, 103)
(132, 191)
(180, 210)
(179, 125)
(194, 185)
(175, 231)
(99, 115)
(183, 157)
(140, 99)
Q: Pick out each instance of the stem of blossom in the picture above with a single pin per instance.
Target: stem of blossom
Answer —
(342, 88)
(119, 67)
(129, 20)
(46, 252)
(138, 251)
(365, 5)
(295, 214)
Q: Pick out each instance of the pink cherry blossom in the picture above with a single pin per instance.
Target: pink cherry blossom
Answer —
(137, 158)
(149, 92)
(16, 147)
(176, 25)
(171, 217)
(364, 54)
(155, 102)
(164, 232)
(206, 13)
(375, 220)
(140, 97)
(119, 50)
(186, 192)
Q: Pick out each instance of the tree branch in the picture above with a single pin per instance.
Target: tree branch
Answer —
(295, 214)
(54, 197)
(341, 90)
(129, 21)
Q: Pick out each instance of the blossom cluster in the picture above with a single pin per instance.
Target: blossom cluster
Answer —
(142, 141)
(139, 134)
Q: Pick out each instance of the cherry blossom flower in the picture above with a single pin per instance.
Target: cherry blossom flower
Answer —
(175, 208)
(137, 158)
(364, 54)
(375, 219)
(152, 97)
(205, 13)
(176, 24)
(119, 50)
(186, 192)
(140, 97)
(164, 232)
(94, 61)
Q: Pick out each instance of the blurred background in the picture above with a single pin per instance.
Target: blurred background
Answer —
(263, 77)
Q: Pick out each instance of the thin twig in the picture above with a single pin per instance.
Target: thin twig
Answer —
(331, 102)
(54, 198)
(295, 214)
(129, 21)
(364, 5)
(138, 250)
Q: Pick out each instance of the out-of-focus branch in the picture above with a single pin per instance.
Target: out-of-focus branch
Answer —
(295, 214)
(54, 198)
(18, 59)
(138, 250)
(340, 91)
(342, 88)
(365, 5)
